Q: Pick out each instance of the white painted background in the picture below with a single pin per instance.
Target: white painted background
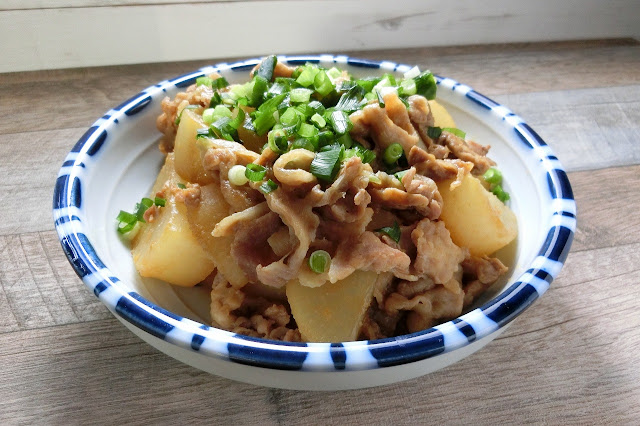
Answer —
(47, 34)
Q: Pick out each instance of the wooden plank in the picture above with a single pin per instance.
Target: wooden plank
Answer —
(89, 37)
(38, 288)
(607, 202)
(87, 361)
(89, 93)
(27, 194)
(587, 128)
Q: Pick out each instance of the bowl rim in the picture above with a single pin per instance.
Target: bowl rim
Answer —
(313, 356)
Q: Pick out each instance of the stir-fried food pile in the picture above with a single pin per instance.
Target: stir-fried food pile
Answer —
(321, 207)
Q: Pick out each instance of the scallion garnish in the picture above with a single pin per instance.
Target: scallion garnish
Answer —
(179, 116)
(142, 207)
(259, 89)
(300, 95)
(126, 221)
(268, 186)
(426, 85)
(350, 101)
(500, 193)
(268, 64)
(304, 144)
(380, 99)
(181, 185)
(220, 83)
(319, 261)
(318, 120)
(400, 174)
(493, 176)
(237, 175)
(459, 133)
(326, 163)
(392, 153)
(322, 83)
(204, 81)
(392, 231)
(307, 131)
(203, 133)
(366, 155)
(255, 172)
(277, 141)
(307, 76)
(340, 122)
(434, 132)
(160, 202)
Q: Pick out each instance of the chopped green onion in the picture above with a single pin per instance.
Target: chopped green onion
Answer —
(126, 221)
(325, 137)
(400, 174)
(160, 202)
(319, 261)
(500, 193)
(142, 207)
(493, 176)
(277, 141)
(318, 120)
(412, 73)
(340, 122)
(326, 163)
(203, 133)
(375, 179)
(307, 131)
(392, 231)
(300, 94)
(258, 91)
(408, 87)
(207, 116)
(317, 107)
(368, 83)
(392, 153)
(220, 83)
(350, 101)
(221, 128)
(426, 85)
(459, 133)
(345, 140)
(268, 186)
(307, 76)
(265, 70)
(434, 132)
(216, 99)
(334, 73)
(304, 144)
(181, 185)
(238, 120)
(255, 172)
(237, 175)
(366, 155)
(380, 99)
(204, 81)
(322, 83)
(221, 111)
(179, 116)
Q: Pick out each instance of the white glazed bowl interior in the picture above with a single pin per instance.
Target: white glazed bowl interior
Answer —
(115, 164)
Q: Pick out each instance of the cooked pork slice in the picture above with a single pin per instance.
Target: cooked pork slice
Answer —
(438, 257)
(467, 152)
(479, 274)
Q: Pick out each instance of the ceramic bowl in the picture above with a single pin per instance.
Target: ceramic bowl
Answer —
(116, 161)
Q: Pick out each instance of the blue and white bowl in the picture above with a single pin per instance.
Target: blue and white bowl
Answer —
(116, 161)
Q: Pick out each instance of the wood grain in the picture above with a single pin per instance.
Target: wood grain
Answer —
(572, 358)
(148, 32)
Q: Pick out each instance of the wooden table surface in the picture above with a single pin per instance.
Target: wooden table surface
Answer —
(573, 358)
